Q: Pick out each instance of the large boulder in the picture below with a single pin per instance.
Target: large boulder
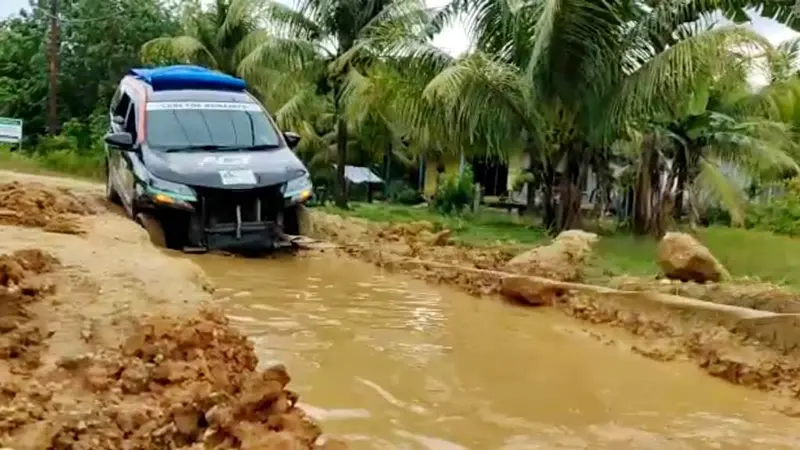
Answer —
(561, 260)
(681, 257)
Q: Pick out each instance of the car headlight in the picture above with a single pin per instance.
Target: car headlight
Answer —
(298, 188)
(176, 191)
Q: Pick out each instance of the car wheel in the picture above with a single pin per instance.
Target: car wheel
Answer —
(111, 193)
(153, 228)
(163, 233)
(296, 220)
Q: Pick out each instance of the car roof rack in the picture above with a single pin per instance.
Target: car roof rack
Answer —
(188, 77)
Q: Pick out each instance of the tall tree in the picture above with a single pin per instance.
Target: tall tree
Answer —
(576, 75)
(327, 41)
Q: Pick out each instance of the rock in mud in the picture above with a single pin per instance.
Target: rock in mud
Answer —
(681, 257)
(561, 260)
(530, 291)
(441, 238)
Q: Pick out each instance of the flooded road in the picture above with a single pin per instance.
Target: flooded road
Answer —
(391, 363)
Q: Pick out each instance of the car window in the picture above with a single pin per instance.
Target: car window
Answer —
(130, 121)
(121, 108)
(208, 124)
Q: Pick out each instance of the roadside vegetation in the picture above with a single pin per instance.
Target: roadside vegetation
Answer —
(654, 102)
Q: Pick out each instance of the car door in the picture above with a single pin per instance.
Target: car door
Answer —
(120, 105)
(123, 163)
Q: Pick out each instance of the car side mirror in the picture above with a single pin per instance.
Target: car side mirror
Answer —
(121, 140)
(292, 139)
(119, 120)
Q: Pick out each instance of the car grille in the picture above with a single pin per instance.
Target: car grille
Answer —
(219, 207)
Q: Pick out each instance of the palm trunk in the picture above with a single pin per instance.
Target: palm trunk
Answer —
(680, 166)
(531, 186)
(341, 161)
(341, 148)
(642, 206)
(549, 207)
(569, 189)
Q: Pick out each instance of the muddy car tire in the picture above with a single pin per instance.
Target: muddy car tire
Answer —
(163, 234)
(111, 193)
(296, 220)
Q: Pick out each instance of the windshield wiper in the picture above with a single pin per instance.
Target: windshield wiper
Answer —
(200, 148)
(261, 147)
(214, 147)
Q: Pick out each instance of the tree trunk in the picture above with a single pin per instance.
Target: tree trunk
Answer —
(387, 170)
(549, 212)
(680, 167)
(569, 205)
(531, 186)
(642, 206)
(341, 147)
(54, 49)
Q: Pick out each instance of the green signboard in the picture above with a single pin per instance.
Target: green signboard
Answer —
(10, 130)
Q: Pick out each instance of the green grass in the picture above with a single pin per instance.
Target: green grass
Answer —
(756, 254)
(58, 162)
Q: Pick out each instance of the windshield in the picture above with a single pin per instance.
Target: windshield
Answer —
(184, 125)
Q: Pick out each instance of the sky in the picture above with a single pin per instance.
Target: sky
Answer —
(454, 40)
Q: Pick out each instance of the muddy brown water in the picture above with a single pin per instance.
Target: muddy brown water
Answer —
(392, 363)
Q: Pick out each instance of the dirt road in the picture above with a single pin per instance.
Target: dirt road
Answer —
(108, 343)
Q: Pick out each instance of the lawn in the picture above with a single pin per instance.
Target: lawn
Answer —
(58, 163)
(751, 253)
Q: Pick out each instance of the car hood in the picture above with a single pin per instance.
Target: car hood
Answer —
(206, 169)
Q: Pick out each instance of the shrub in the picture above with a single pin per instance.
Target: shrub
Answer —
(402, 193)
(454, 193)
(715, 216)
(780, 215)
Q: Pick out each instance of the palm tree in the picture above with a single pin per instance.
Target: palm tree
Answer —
(214, 38)
(332, 41)
(577, 75)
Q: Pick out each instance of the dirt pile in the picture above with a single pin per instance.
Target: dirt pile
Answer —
(744, 293)
(21, 285)
(561, 260)
(720, 351)
(681, 257)
(401, 246)
(174, 384)
(50, 208)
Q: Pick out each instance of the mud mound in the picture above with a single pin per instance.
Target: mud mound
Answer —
(745, 293)
(719, 351)
(174, 384)
(49, 208)
(396, 246)
(20, 341)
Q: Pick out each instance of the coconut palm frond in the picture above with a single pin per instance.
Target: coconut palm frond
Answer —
(187, 49)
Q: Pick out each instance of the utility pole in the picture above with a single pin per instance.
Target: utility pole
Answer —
(54, 48)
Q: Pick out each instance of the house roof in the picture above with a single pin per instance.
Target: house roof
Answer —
(358, 175)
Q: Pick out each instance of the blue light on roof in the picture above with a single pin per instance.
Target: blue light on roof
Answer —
(188, 77)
